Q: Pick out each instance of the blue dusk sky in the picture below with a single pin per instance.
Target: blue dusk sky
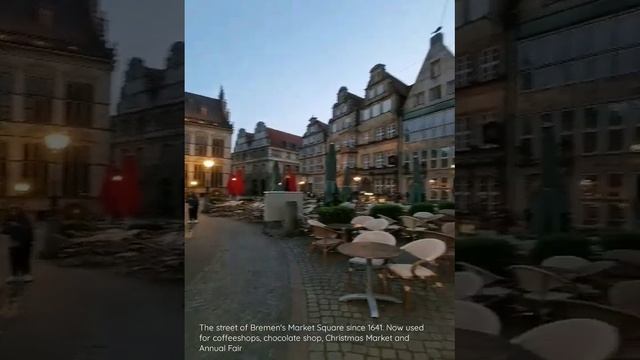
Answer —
(137, 32)
(283, 61)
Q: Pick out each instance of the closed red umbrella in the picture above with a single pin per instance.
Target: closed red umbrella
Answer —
(239, 182)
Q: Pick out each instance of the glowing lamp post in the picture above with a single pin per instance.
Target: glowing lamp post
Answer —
(208, 164)
(56, 142)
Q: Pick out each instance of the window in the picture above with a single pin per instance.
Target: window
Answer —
(567, 121)
(615, 185)
(616, 215)
(201, 145)
(451, 87)
(444, 157)
(364, 115)
(489, 64)
(435, 93)
(434, 68)
(419, 98)
(463, 132)
(590, 142)
(391, 131)
(76, 171)
(590, 118)
(198, 174)
(379, 133)
(38, 99)
(203, 110)
(79, 104)
(379, 156)
(464, 69)
(434, 159)
(386, 105)
(590, 214)
(615, 136)
(6, 88)
(365, 137)
(34, 167)
(589, 186)
(365, 161)
(217, 148)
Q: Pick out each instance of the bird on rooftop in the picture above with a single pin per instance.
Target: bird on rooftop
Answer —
(437, 30)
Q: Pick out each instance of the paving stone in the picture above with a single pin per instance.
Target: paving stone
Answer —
(388, 354)
(352, 356)
(316, 356)
(333, 346)
(404, 355)
(334, 356)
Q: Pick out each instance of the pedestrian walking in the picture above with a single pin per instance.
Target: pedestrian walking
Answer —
(20, 232)
(194, 204)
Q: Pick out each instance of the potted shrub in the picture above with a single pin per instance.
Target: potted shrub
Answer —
(422, 207)
(335, 214)
(393, 211)
(493, 254)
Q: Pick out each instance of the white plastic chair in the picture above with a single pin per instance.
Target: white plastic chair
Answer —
(422, 215)
(467, 284)
(447, 212)
(427, 251)
(376, 224)
(449, 229)
(488, 278)
(565, 262)
(475, 317)
(538, 284)
(412, 225)
(573, 339)
(376, 237)
(389, 220)
(361, 220)
(625, 295)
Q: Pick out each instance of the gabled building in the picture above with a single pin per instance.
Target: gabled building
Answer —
(55, 73)
(428, 124)
(148, 126)
(378, 145)
(343, 131)
(255, 154)
(208, 130)
(312, 156)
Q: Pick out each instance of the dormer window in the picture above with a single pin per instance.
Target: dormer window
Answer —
(435, 68)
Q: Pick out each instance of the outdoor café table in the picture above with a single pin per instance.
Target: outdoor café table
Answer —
(475, 345)
(369, 251)
(345, 229)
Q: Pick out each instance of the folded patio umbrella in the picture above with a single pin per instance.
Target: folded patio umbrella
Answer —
(345, 195)
(330, 187)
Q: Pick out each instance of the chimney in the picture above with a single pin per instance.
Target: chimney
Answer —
(437, 39)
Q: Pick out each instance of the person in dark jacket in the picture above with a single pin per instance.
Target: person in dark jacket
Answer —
(20, 231)
(193, 202)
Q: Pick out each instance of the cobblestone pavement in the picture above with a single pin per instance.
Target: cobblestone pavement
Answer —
(235, 275)
(83, 314)
(324, 281)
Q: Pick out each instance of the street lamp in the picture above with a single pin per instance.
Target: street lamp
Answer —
(208, 164)
(56, 142)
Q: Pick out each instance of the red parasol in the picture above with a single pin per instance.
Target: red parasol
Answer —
(239, 182)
